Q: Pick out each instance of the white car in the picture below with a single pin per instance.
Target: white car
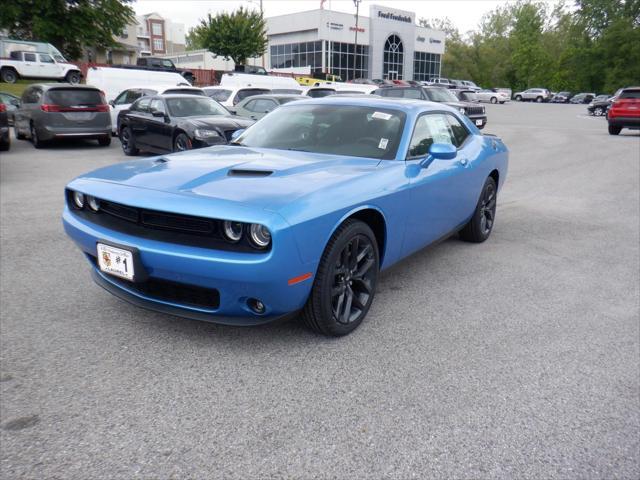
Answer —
(231, 96)
(124, 100)
(538, 95)
(37, 65)
(492, 97)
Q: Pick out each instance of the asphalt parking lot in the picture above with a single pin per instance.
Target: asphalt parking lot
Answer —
(516, 358)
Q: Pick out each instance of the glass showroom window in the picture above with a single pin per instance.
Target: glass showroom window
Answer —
(304, 54)
(340, 60)
(425, 66)
(393, 63)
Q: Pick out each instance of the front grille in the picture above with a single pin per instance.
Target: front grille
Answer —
(475, 111)
(163, 226)
(168, 291)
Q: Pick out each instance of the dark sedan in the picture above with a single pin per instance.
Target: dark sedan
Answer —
(12, 103)
(172, 123)
(599, 105)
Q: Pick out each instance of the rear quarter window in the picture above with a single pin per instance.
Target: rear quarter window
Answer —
(74, 96)
(630, 94)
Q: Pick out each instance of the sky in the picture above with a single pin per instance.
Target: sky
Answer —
(465, 14)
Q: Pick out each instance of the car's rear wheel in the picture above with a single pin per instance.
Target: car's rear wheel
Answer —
(35, 139)
(8, 75)
(345, 283)
(493, 100)
(16, 130)
(104, 141)
(518, 98)
(613, 130)
(479, 228)
(73, 77)
(128, 142)
(181, 143)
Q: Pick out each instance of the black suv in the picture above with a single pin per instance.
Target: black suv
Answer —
(474, 111)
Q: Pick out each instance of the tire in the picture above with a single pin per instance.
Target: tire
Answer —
(598, 111)
(19, 136)
(518, 98)
(37, 143)
(344, 286)
(181, 143)
(73, 77)
(104, 141)
(128, 142)
(493, 100)
(613, 130)
(5, 143)
(539, 99)
(479, 228)
(9, 75)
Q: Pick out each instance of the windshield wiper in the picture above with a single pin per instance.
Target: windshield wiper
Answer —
(297, 150)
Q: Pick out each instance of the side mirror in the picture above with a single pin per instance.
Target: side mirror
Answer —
(237, 133)
(112, 103)
(157, 113)
(439, 151)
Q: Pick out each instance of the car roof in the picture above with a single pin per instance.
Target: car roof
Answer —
(53, 86)
(276, 96)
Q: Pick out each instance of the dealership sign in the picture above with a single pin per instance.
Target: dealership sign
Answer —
(396, 17)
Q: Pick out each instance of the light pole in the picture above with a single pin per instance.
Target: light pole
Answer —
(262, 15)
(355, 47)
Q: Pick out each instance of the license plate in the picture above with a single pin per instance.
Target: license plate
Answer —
(115, 261)
(78, 116)
(478, 123)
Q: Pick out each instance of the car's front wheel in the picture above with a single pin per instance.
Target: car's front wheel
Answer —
(479, 228)
(128, 142)
(493, 100)
(345, 282)
(35, 139)
(181, 143)
(73, 77)
(539, 99)
(8, 75)
(613, 130)
(518, 98)
(598, 111)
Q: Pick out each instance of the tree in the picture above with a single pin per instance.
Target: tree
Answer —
(192, 40)
(236, 36)
(68, 25)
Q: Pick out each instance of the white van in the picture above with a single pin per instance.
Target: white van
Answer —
(260, 81)
(130, 95)
(112, 81)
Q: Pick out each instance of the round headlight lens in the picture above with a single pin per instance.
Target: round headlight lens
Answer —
(260, 235)
(78, 199)
(94, 203)
(232, 231)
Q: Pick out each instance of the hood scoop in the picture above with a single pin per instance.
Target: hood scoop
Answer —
(239, 172)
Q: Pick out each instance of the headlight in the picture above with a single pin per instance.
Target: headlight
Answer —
(462, 111)
(94, 203)
(232, 231)
(78, 199)
(206, 133)
(260, 235)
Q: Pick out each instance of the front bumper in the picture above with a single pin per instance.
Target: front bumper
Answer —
(235, 277)
(625, 122)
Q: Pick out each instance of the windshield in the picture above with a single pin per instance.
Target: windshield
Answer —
(219, 94)
(469, 96)
(440, 95)
(194, 107)
(347, 130)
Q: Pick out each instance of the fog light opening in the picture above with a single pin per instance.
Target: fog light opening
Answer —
(256, 306)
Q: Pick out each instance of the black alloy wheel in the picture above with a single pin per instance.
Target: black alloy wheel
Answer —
(346, 280)
(73, 77)
(128, 141)
(182, 143)
(598, 111)
(479, 228)
(613, 130)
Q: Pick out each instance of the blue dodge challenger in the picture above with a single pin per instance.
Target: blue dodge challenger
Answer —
(298, 215)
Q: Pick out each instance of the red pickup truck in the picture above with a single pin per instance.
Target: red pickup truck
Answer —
(625, 111)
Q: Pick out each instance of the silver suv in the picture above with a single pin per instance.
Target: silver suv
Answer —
(59, 110)
(533, 95)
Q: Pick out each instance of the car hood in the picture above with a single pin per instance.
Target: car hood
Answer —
(219, 121)
(262, 178)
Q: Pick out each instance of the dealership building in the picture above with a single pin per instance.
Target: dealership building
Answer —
(389, 44)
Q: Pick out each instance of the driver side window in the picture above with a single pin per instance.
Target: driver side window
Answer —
(430, 128)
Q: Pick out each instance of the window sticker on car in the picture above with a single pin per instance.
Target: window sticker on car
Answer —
(381, 115)
(383, 142)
